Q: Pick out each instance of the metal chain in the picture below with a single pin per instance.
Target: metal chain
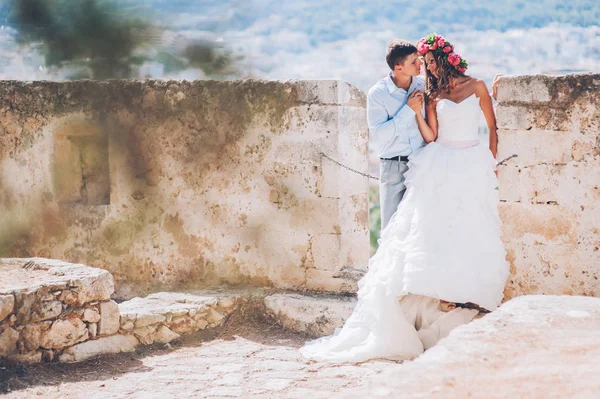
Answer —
(350, 169)
(376, 178)
(506, 159)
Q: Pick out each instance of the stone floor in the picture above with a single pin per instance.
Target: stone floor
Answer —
(531, 347)
(243, 360)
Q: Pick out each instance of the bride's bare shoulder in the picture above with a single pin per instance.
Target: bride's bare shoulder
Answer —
(479, 86)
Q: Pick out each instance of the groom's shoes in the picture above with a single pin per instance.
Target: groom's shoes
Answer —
(471, 305)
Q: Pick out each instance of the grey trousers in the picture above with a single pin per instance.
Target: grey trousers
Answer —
(391, 188)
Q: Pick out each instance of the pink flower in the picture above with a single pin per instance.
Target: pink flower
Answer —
(422, 47)
(461, 69)
(454, 59)
(441, 42)
(448, 49)
(434, 46)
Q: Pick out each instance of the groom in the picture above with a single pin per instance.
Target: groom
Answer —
(391, 107)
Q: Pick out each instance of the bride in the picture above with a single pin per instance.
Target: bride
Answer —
(442, 246)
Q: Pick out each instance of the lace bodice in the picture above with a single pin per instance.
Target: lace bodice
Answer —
(458, 121)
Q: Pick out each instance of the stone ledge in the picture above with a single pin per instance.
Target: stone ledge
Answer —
(164, 316)
(315, 315)
(530, 345)
(102, 346)
(35, 274)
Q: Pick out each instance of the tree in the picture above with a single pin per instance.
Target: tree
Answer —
(100, 39)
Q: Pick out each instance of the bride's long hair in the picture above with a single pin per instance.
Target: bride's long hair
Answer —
(447, 76)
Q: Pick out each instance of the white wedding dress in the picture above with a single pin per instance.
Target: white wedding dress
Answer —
(443, 242)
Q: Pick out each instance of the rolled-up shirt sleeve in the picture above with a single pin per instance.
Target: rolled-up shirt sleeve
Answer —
(384, 130)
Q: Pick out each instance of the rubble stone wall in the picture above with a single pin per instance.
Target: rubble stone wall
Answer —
(47, 306)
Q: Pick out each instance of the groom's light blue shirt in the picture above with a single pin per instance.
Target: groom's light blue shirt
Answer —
(392, 123)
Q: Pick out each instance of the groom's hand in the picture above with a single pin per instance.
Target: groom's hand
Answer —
(415, 101)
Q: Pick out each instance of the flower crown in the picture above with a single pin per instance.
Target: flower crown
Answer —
(439, 45)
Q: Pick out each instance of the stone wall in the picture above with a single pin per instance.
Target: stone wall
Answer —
(550, 193)
(170, 185)
(52, 310)
(47, 306)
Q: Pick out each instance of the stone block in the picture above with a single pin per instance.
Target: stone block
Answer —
(48, 310)
(334, 252)
(64, 333)
(541, 183)
(164, 335)
(353, 138)
(145, 334)
(529, 117)
(315, 315)
(326, 252)
(579, 184)
(7, 305)
(327, 281)
(102, 346)
(28, 358)
(317, 91)
(8, 342)
(183, 325)
(109, 318)
(31, 335)
(310, 122)
(525, 89)
(93, 330)
(551, 222)
(534, 146)
(510, 183)
(91, 315)
(585, 147)
(335, 181)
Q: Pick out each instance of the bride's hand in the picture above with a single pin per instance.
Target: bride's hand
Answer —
(415, 101)
(495, 86)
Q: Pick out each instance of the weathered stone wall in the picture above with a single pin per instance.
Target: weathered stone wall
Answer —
(169, 185)
(550, 193)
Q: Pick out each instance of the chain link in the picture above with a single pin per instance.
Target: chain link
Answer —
(350, 169)
(376, 178)
(506, 159)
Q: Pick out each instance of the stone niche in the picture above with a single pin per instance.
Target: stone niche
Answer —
(80, 166)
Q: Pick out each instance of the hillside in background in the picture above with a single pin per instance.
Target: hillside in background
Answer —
(346, 39)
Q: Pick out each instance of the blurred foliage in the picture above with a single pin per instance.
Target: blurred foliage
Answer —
(103, 39)
(96, 34)
(374, 217)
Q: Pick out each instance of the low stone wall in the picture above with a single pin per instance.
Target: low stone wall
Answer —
(56, 311)
(550, 193)
(47, 306)
(179, 185)
(165, 316)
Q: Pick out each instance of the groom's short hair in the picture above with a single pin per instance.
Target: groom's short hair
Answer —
(397, 51)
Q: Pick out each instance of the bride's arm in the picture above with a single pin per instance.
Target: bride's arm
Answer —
(485, 101)
(429, 127)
